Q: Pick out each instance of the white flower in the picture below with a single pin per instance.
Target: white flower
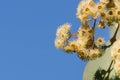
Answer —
(65, 27)
(94, 53)
(63, 32)
(73, 44)
(100, 41)
(90, 32)
(83, 54)
(59, 43)
(68, 49)
(100, 7)
(110, 15)
(82, 41)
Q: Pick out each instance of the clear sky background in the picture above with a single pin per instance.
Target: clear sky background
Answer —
(27, 34)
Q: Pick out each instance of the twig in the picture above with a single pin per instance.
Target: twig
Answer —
(94, 25)
(113, 39)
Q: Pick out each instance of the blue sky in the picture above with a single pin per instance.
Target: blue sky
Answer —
(27, 34)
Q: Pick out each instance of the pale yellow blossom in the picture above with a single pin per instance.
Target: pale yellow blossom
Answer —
(68, 49)
(59, 43)
(94, 53)
(100, 41)
(63, 32)
(73, 44)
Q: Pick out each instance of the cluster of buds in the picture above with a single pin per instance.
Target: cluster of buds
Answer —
(83, 42)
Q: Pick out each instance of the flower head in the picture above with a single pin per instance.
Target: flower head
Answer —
(68, 49)
(94, 53)
(100, 41)
(63, 32)
(59, 43)
(83, 54)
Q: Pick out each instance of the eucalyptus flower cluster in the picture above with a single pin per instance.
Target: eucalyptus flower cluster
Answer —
(84, 42)
(107, 10)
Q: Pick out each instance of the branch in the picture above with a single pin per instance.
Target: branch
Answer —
(108, 71)
(75, 34)
(113, 39)
(94, 25)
